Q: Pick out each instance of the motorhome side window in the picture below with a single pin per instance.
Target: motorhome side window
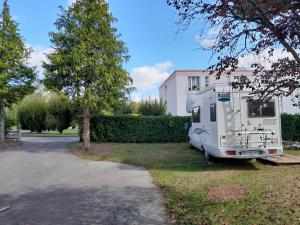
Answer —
(196, 115)
(261, 109)
(213, 112)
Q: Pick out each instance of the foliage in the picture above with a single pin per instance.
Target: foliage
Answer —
(153, 108)
(11, 119)
(127, 108)
(32, 113)
(87, 61)
(51, 122)
(59, 110)
(16, 77)
(138, 129)
(241, 27)
(290, 125)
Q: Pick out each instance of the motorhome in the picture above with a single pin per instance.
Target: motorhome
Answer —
(233, 123)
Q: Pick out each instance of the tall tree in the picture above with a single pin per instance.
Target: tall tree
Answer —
(258, 27)
(87, 59)
(16, 77)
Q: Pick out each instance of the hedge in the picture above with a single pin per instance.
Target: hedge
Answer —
(290, 125)
(139, 129)
(160, 129)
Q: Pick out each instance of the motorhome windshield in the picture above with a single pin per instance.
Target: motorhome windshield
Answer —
(261, 109)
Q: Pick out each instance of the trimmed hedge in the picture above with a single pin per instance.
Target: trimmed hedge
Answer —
(139, 129)
(290, 125)
(160, 129)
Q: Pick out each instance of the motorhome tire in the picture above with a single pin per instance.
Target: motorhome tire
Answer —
(207, 156)
(190, 144)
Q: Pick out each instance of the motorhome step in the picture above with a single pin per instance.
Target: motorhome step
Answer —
(283, 160)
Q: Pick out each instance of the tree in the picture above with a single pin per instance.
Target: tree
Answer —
(32, 113)
(16, 77)
(59, 110)
(11, 119)
(153, 108)
(87, 59)
(251, 26)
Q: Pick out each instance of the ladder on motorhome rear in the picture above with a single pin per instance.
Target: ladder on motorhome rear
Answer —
(237, 111)
(237, 125)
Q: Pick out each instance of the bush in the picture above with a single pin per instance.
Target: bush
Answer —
(32, 113)
(290, 125)
(51, 123)
(153, 108)
(139, 129)
(11, 119)
(59, 109)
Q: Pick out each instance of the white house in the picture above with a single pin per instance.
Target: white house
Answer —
(175, 89)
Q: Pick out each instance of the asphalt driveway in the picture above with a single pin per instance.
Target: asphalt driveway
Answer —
(45, 185)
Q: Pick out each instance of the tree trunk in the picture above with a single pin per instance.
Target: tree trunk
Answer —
(86, 128)
(2, 122)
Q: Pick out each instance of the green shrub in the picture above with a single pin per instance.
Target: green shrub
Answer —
(151, 129)
(59, 107)
(153, 108)
(51, 122)
(139, 129)
(32, 113)
(290, 125)
(11, 119)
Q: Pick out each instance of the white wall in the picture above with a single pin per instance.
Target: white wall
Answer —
(177, 90)
(168, 93)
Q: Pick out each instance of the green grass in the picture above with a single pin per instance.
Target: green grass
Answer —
(186, 178)
(66, 133)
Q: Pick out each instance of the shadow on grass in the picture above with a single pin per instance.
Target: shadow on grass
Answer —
(174, 157)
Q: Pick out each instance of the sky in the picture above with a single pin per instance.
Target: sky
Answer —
(148, 27)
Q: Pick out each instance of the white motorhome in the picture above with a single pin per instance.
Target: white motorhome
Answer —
(232, 123)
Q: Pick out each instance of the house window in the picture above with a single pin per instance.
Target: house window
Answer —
(261, 109)
(194, 83)
(196, 115)
(206, 81)
(213, 113)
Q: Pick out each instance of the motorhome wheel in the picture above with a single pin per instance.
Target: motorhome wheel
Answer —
(207, 156)
(190, 144)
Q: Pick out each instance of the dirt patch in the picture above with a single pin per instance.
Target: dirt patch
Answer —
(226, 193)
(9, 144)
(98, 150)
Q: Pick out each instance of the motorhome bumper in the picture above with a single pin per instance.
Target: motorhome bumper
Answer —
(250, 153)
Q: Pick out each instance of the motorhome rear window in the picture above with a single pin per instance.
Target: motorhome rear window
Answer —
(213, 113)
(261, 109)
(196, 115)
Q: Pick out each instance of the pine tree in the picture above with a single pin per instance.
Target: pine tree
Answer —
(87, 58)
(16, 77)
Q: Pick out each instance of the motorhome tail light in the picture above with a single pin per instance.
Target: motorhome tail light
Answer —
(231, 152)
(272, 151)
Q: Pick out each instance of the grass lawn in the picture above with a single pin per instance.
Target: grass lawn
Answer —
(270, 194)
(66, 133)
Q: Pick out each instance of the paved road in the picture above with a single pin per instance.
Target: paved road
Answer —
(45, 185)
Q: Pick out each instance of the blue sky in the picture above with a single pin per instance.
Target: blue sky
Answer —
(147, 27)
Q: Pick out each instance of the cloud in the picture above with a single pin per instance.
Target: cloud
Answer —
(146, 77)
(38, 56)
(263, 58)
(209, 40)
(205, 42)
(71, 2)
